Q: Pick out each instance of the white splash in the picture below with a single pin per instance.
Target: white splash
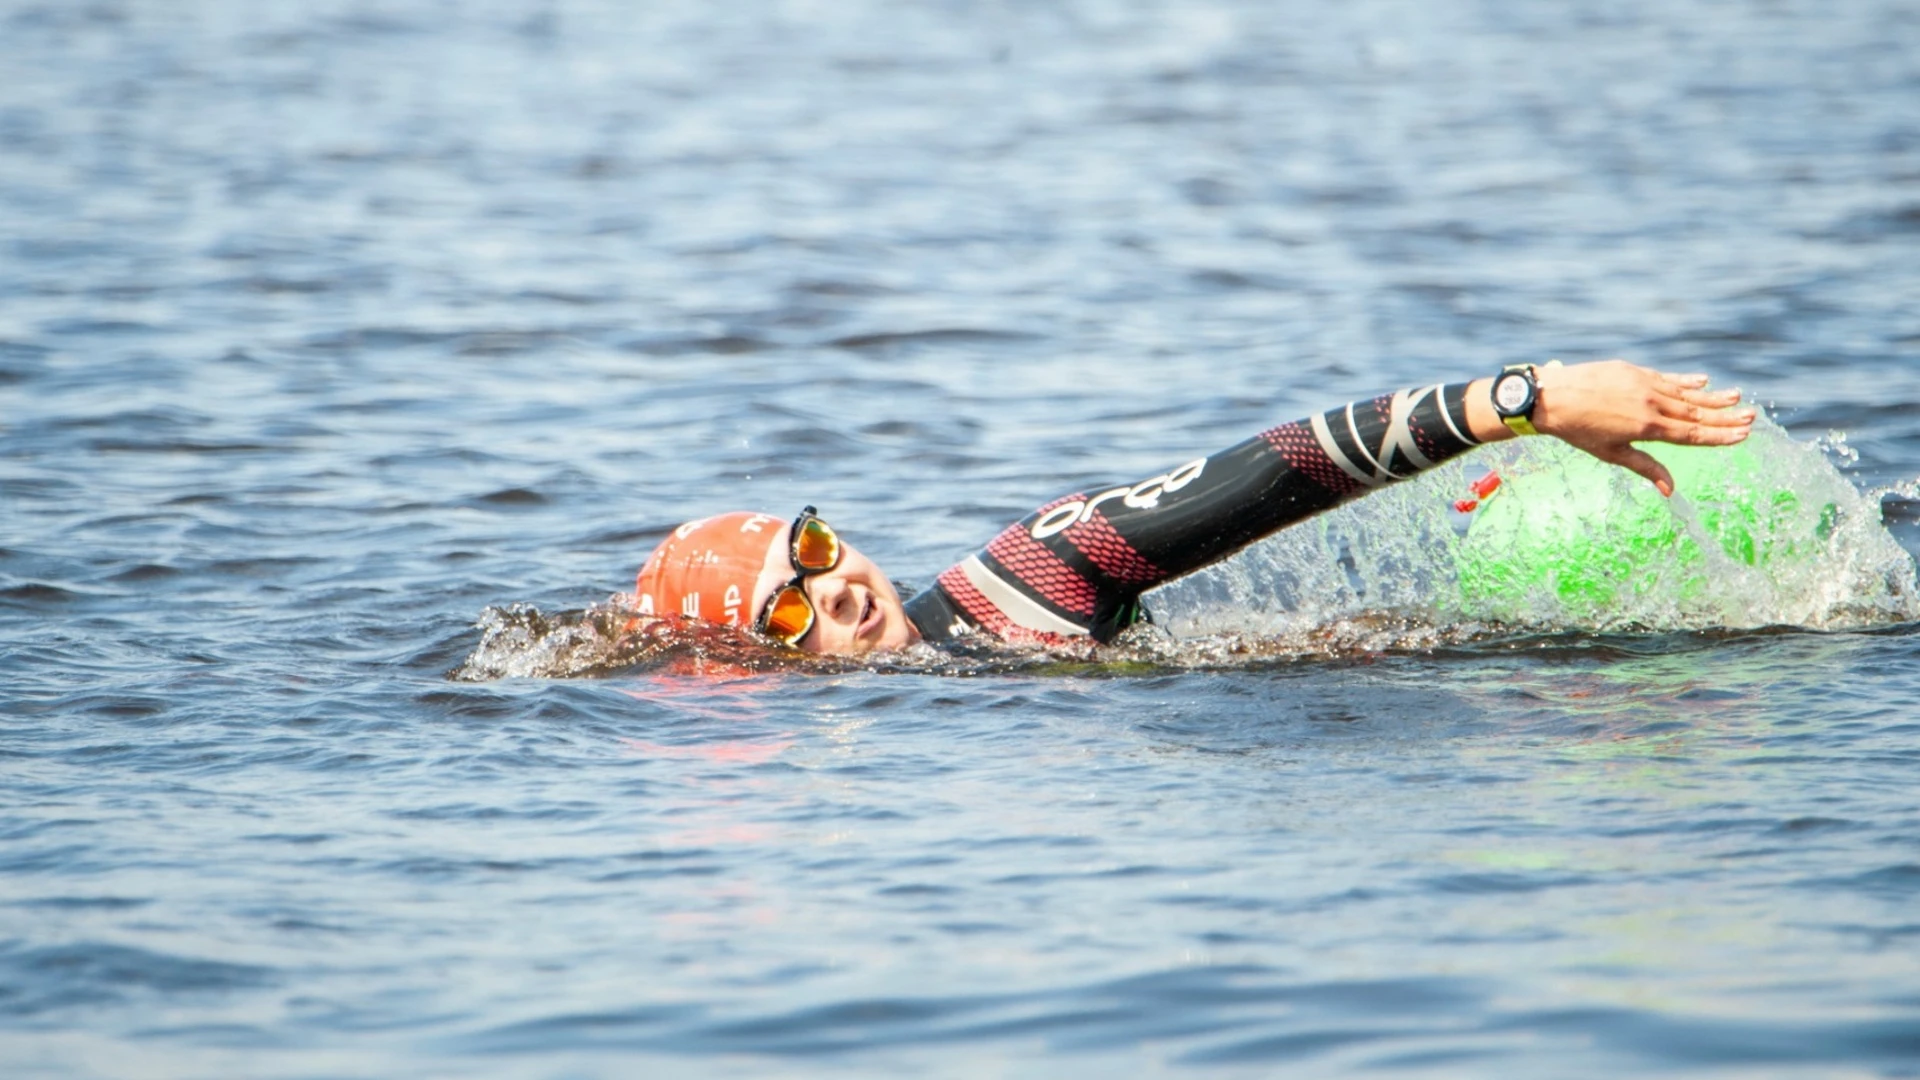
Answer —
(1388, 566)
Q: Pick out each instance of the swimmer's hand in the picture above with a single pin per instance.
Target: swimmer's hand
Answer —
(1606, 406)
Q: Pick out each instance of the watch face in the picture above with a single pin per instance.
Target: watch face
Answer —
(1511, 393)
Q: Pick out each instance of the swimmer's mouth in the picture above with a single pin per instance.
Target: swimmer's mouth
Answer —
(869, 617)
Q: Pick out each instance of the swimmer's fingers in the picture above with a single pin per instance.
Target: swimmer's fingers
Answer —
(1641, 462)
(1712, 431)
(1704, 414)
(1692, 389)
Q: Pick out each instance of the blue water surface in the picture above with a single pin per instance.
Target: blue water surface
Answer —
(330, 331)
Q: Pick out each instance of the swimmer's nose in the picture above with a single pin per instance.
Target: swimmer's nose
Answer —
(833, 599)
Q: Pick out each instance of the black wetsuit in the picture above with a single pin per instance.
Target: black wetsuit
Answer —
(1077, 565)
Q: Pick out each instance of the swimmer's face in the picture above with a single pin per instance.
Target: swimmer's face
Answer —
(855, 608)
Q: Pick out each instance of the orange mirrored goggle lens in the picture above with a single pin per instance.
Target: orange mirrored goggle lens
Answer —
(815, 546)
(789, 615)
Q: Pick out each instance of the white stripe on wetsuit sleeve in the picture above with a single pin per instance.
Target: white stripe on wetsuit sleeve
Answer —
(1400, 434)
(1014, 604)
(1325, 434)
(1446, 413)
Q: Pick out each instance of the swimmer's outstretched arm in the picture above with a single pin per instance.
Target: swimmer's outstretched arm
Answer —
(1078, 564)
(1606, 406)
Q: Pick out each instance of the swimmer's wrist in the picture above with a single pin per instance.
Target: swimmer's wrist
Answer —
(1483, 417)
(1484, 422)
(1549, 388)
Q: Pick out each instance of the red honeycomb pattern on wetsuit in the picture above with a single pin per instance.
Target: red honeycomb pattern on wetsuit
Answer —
(1297, 443)
(987, 615)
(1101, 543)
(1043, 572)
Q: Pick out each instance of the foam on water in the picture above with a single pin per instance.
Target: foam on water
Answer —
(519, 641)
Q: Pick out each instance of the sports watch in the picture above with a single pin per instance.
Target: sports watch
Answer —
(1515, 393)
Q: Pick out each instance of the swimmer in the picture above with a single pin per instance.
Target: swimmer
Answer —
(1077, 566)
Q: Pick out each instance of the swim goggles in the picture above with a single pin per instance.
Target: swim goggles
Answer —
(814, 549)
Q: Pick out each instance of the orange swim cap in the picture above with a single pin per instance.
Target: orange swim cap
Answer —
(707, 568)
